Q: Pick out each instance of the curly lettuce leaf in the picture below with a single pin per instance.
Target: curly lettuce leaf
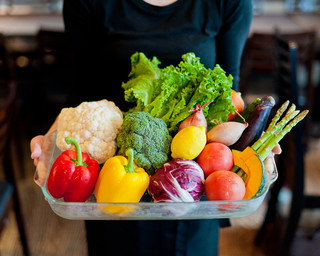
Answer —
(141, 86)
(169, 93)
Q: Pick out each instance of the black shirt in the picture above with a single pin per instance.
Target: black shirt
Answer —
(105, 33)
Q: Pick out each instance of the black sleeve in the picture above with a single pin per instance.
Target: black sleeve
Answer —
(237, 18)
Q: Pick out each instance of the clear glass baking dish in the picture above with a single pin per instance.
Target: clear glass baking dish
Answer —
(144, 210)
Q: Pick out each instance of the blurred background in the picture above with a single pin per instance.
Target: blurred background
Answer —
(35, 60)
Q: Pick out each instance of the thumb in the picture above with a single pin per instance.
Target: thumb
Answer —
(35, 146)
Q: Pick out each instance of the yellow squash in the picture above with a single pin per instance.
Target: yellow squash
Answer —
(251, 163)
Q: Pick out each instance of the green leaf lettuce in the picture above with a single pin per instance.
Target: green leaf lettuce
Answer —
(169, 93)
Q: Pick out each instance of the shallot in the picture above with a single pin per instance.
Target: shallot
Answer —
(196, 119)
(227, 133)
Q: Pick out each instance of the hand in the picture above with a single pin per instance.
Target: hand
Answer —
(269, 162)
(37, 153)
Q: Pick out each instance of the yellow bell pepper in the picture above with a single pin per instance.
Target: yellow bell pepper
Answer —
(121, 181)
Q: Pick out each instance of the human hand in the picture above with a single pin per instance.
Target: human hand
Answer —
(269, 162)
(40, 147)
(39, 155)
(36, 147)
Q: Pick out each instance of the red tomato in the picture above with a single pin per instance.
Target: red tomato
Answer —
(224, 185)
(215, 157)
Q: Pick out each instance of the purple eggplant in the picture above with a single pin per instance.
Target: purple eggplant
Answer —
(257, 122)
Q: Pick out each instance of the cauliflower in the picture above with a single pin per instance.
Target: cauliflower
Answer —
(94, 125)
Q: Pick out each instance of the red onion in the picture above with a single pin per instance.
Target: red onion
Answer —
(179, 180)
(196, 119)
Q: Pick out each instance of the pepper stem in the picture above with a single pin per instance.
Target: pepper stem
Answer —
(129, 166)
(77, 161)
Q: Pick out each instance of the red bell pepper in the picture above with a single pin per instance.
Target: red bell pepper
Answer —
(73, 175)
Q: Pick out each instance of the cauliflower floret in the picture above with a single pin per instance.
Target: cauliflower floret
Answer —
(94, 125)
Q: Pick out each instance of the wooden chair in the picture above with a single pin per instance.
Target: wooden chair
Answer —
(291, 163)
(306, 42)
(7, 124)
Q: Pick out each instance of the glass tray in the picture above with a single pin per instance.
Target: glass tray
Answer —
(91, 210)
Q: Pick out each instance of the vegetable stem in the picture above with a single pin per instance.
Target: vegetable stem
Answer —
(77, 161)
(235, 169)
(129, 166)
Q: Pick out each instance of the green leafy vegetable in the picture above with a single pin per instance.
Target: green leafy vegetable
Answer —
(169, 93)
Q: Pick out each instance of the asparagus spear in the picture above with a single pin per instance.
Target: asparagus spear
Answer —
(265, 150)
(278, 114)
(275, 127)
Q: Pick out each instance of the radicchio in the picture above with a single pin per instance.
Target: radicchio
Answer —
(179, 180)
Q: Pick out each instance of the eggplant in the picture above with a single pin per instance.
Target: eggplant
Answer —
(247, 111)
(257, 122)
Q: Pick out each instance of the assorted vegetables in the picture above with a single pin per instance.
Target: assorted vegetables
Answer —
(188, 135)
(249, 163)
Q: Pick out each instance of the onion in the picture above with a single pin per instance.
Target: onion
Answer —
(179, 180)
(196, 119)
(226, 133)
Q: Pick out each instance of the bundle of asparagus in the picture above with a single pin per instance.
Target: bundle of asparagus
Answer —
(278, 129)
(275, 132)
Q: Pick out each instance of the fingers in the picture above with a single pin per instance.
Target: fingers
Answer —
(35, 161)
(277, 149)
(35, 147)
(269, 164)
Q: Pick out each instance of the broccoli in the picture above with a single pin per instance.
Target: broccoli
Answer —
(149, 138)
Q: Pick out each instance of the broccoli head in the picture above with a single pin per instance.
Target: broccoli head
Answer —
(149, 138)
